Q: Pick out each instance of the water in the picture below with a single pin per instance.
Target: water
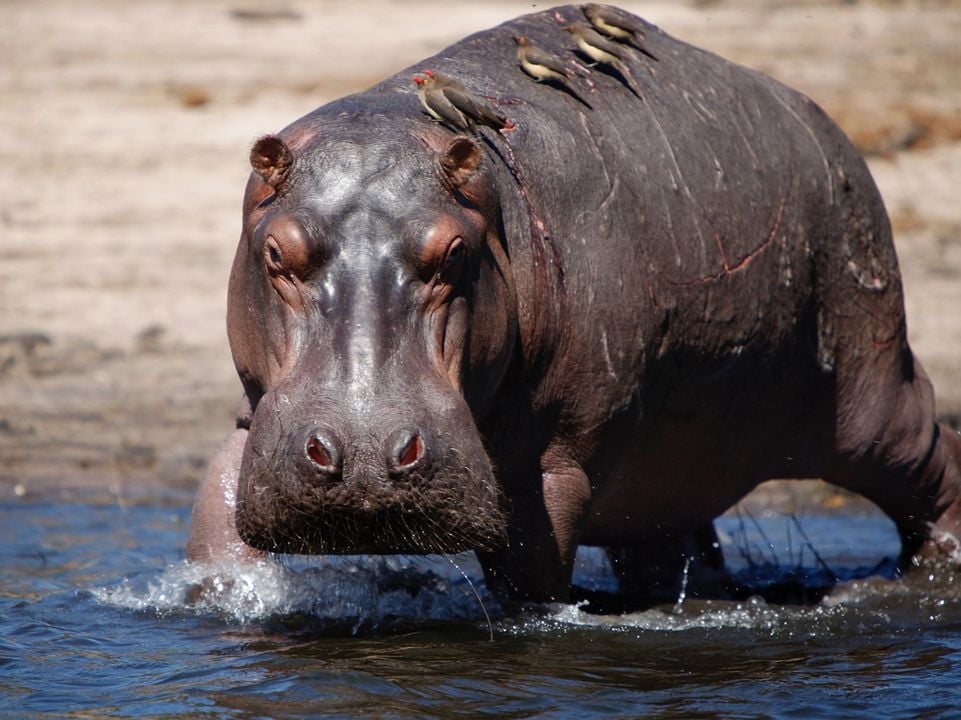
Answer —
(94, 622)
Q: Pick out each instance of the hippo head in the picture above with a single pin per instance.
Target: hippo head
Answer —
(371, 317)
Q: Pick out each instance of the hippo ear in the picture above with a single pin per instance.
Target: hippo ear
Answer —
(271, 159)
(460, 161)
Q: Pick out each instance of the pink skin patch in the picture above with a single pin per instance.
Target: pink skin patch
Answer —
(318, 453)
(412, 452)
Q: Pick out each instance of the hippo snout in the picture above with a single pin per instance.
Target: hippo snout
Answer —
(337, 484)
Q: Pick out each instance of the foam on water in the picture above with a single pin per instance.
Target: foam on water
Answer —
(378, 592)
(361, 590)
(864, 605)
(753, 613)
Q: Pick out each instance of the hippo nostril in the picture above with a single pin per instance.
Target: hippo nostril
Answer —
(407, 451)
(412, 452)
(322, 452)
(317, 452)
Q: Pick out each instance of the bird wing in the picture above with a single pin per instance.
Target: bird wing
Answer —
(471, 106)
(618, 19)
(537, 56)
(599, 41)
(441, 104)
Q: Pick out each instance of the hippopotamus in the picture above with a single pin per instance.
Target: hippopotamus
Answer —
(601, 320)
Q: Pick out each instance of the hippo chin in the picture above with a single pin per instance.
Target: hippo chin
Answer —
(483, 312)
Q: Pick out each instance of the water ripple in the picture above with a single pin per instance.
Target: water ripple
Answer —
(100, 617)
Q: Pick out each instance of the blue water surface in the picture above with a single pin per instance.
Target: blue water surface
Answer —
(95, 622)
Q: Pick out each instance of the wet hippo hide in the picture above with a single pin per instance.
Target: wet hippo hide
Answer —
(603, 324)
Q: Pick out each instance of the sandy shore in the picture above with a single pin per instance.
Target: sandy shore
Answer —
(127, 127)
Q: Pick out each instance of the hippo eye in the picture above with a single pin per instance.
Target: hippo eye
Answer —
(453, 262)
(272, 256)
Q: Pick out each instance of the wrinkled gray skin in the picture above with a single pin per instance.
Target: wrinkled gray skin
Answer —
(603, 327)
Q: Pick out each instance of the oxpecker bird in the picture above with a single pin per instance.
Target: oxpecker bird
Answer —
(544, 67)
(446, 92)
(476, 110)
(602, 51)
(617, 25)
(437, 105)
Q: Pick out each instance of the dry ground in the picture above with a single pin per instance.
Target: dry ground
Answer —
(126, 127)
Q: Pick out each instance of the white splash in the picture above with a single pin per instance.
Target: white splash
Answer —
(361, 590)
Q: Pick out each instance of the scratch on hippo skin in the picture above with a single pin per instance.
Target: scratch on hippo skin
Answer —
(670, 229)
(745, 261)
(607, 356)
(595, 147)
(537, 225)
(719, 178)
(694, 102)
(680, 175)
(883, 343)
(756, 162)
(720, 249)
(814, 138)
(610, 194)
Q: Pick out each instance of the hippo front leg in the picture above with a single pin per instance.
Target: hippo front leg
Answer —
(542, 535)
(213, 531)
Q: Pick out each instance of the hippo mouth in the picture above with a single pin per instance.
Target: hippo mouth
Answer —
(419, 516)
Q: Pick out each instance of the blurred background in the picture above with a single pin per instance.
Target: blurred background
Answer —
(123, 156)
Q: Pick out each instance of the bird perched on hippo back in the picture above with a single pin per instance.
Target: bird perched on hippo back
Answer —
(617, 25)
(602, 51)
(448, 101)
(437, 105)
(544, 66)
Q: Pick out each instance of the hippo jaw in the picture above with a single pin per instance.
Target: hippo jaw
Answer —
(287, 504)
(368, 328)
(389, 519)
